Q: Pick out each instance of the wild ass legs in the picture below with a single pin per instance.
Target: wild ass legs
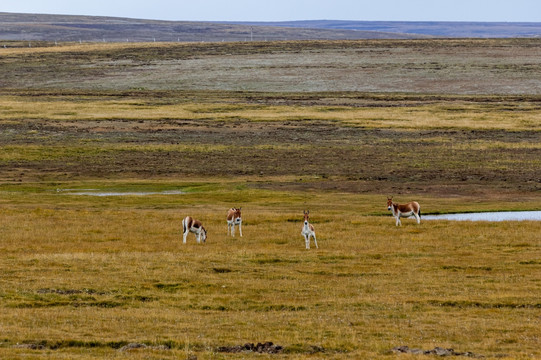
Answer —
(234, 218)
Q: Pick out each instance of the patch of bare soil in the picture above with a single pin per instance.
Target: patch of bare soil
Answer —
(70, 291)
(437, 351)
(31, 346)
(262, 348)
(135, 346)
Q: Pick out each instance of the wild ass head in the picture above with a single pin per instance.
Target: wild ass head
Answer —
(389, 203)
(306, 216)
(203, 234)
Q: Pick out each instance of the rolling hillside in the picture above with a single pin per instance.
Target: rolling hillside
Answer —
(39, 27)
(427, 28)
(42, 27)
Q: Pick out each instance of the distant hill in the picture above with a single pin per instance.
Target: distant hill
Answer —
(448, 29)
(42, 27)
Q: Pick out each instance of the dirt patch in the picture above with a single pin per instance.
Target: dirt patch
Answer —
(262, 348)
(136, 346)
(70, 291)
(438, 351)
(30, 346)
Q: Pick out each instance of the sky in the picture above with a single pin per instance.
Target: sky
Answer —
(286, 10)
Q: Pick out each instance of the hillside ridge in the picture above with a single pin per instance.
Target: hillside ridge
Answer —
(44, 27)
(451, 29)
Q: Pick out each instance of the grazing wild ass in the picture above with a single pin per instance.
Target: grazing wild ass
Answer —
(308, 230)
(189, 224)
(404, 210)
(234, 218)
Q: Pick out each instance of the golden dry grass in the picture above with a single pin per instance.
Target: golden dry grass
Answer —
(431, 116)
(85, 275)
(78, 47)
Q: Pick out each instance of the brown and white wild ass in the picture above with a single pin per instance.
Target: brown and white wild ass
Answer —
(308, 230)
(234, 218)
(404, 210)
(189, 224)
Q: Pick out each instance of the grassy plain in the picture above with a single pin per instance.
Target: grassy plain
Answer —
(82, 275)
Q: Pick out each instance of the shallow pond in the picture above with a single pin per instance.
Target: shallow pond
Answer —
(488, 216)
(96, 192)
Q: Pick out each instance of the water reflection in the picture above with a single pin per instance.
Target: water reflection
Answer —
(96, 192)
(489, 216)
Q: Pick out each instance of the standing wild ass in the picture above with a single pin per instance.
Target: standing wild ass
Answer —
(404, 210)
(234, 218)
(308, 230)
(189, 224)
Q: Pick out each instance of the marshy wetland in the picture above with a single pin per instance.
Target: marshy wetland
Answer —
(277, 128)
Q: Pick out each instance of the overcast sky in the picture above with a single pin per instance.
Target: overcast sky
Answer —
(282, 10)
